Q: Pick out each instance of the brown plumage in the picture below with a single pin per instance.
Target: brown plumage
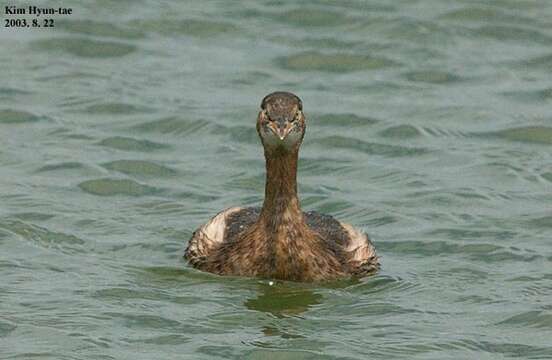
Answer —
(279, 240)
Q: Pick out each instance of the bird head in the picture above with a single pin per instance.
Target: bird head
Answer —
(281, 123)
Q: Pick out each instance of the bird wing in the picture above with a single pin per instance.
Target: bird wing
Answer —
(358, 250)
(207, 237)
(362, 253)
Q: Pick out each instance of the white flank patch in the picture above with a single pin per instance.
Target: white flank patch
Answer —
(358, 244)
(214, 229)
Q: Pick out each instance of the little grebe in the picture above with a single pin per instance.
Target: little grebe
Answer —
(280, 241)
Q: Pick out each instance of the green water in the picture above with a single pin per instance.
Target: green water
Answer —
(132, 122)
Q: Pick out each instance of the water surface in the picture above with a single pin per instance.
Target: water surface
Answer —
(132, 122)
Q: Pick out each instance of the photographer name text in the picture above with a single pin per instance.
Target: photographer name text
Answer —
(17, 16)
(37, 11)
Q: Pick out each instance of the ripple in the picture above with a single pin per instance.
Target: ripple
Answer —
(87, 48)
(256, 351)
(483, 15)
(139, 167)
(538, 319)
(197, 196)
(333, 206)
(476, 299)
(477, 251)
(173, 125)
(313, 18)
(541, 62)
(175, 275)
(71, 165)
(433, 248)
(411, 30)
(67, 134)
(131, 144)
(381, 221)
(111, 187)
(32, 216)
(382, 283)
(432, 77)
(256, 182)
(512, 33)
(9, 116)
(372, 308)
(466, 234)
(531, 134)
(251, 78)
(66, 243)
(116, 109)
(163, 207)
(545, 221)
(533, 280)
(144, 321)
(197, 28)
(401, 132)
(341, 142)
(239, 133)
(347, 120)
(316, 61)
(168, 272)
(437, 131)
(99, 28)
(450, 348)
(173, 340)
(317, 43)
(516, 350)
(121, 293)
(543, 95)
(387, 177)
(6, 327)
(12, 92)
(323, 166)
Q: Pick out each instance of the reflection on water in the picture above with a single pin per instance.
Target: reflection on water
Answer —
(283, 299)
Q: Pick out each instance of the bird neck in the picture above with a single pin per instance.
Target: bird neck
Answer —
(281, 204)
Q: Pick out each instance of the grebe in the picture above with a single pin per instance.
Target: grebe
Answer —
(279, 241)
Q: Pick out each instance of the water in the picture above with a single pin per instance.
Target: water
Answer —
(132, 122)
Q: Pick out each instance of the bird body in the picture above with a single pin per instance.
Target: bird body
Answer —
(279, 240)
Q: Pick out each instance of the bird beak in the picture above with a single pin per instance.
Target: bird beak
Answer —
(281, 131)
